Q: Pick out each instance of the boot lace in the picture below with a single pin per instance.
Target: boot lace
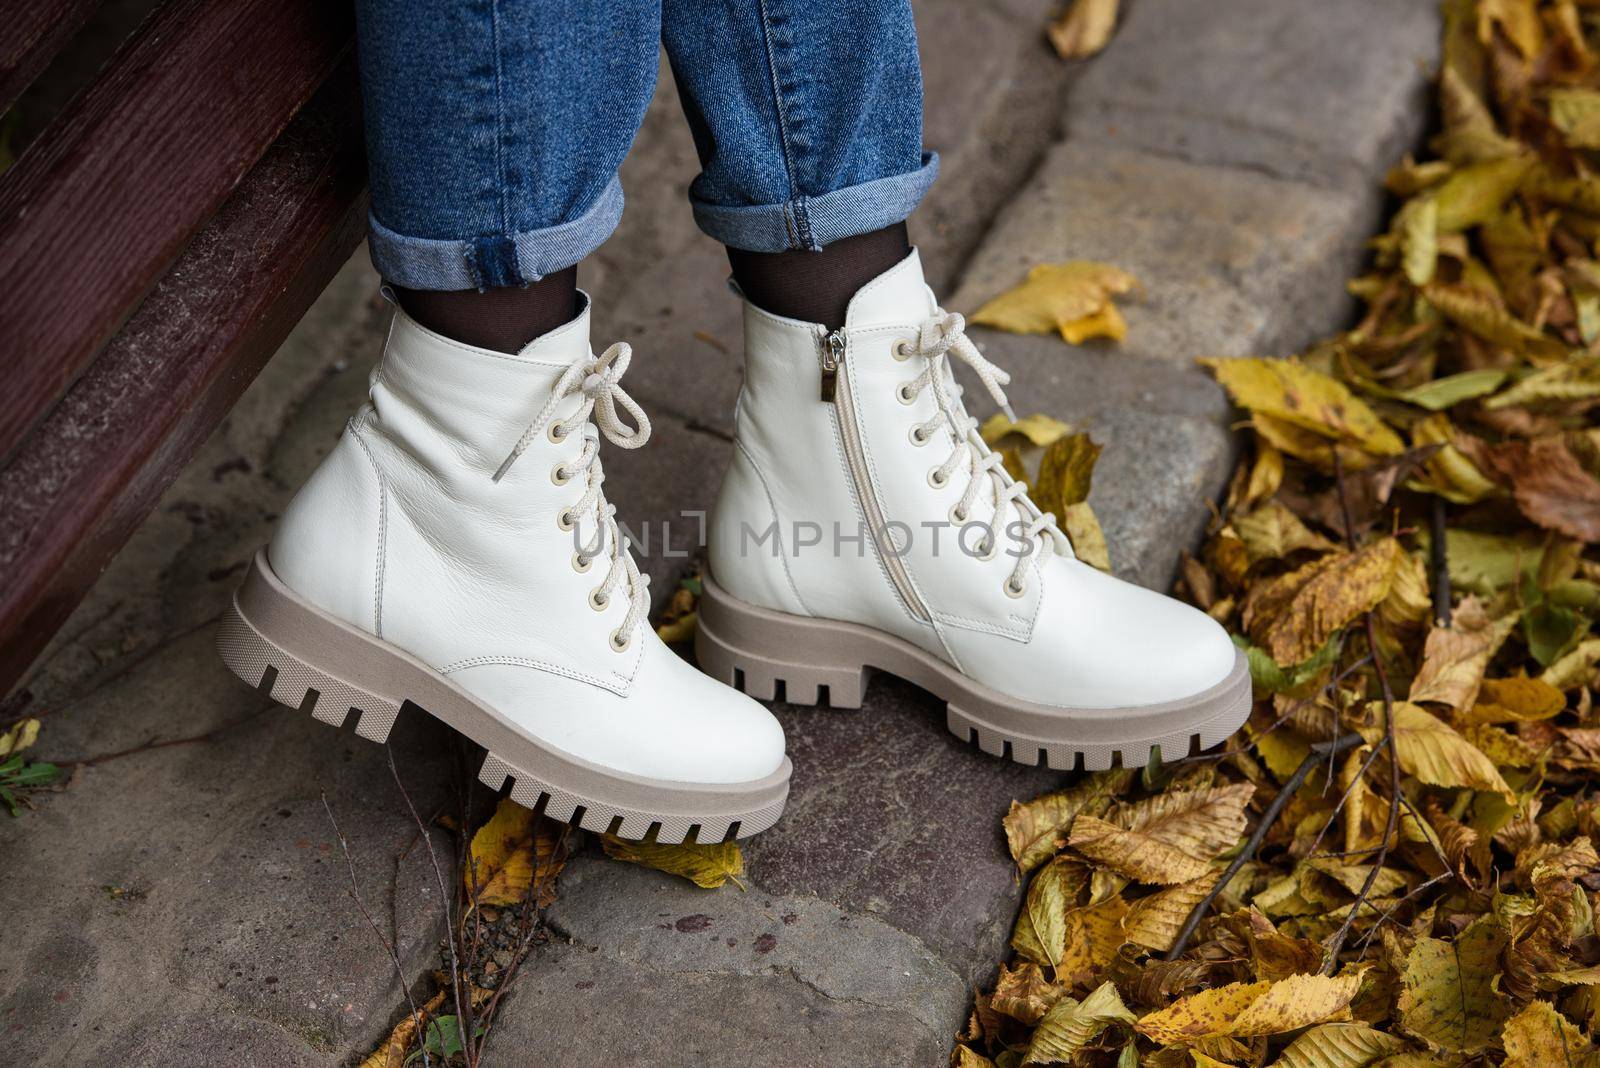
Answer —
(940, 339)
(597, 380)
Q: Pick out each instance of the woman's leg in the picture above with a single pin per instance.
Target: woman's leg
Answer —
(851, 423)
(808, 120)
(494, 134)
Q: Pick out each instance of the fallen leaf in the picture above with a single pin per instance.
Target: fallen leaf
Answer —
(1272, 532)
(1432, 751)
(1083, 28)
(1551, 486)
(1341, 1045)
(1071, 1025)
(512, 851)
(1066, 472)
(1154, 920)
(1039, 430)
(1539, 1037)
(1454, 658)
(1082, 528)
(708, 864)
(1295, 614)
(1040, 933)
(1065, 298)
(1168, 838)
(1447, 996)
(1036, 831)
(1518, 700)
(1024, 993)
(1291, 392)
(1244, 1010)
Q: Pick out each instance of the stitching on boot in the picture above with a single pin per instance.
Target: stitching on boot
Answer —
(356, 429)
(772, 505)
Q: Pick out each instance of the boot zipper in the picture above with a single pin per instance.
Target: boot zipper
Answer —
(831, 357)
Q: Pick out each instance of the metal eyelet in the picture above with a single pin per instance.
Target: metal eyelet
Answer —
(1014, 588)
(620, 641)
(598, 600)
(956, 517)
(918, 438)
(937, 479)
(905, 394)
(990, 550)
(901, 350)
(581, 564)
(557, 433)
(558, 475)
(565, 520)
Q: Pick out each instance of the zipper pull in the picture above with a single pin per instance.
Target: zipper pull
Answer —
(831, 356)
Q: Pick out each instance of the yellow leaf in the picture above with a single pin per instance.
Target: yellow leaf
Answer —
(1245, 1010)
(1473, 195)
(1056, 297)
(966, 1058)
(1266, 475)
(1294, 614)
(1107, 322)
(1481, 313)
(1071, 1025)
(1448, 472)
(18, 737)
(678, 630)
(1094, 935)
(1082, 528)
(707, 864)
(1447, 995)
(1454, 658)
(1517, 19)
(1429, 749)
(1036, 831)
(1517, 700)
(1168, 838)
(391, 1053)
(1341, 1045)
(1576, 113)
(1540, 1037)
(1041, 430)
(511, 851)
(1272, 532)
(1154, 921)
(1066, 471)
(1083, 28)
(1291, 393)
(1417, 224)
(1040, 934)
(1576, 379)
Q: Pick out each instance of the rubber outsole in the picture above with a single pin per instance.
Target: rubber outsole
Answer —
(306, 659)
(777, 656)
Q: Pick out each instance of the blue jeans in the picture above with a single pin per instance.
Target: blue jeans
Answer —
(495, 127)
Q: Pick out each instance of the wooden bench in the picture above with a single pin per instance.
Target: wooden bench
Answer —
(158, 240)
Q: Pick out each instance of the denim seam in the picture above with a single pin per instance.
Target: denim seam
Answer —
(499, 114)
(796, 224)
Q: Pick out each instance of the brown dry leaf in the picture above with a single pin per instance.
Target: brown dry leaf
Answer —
(1154, 920)
(1576, 668)
(1455, 657)
(1168, 838)
(1071, 1025)
(1294, 615)
(1447, 995)
(1448, 472)
(1551, 486)
(1540, 1037)
(1024, 993)
(1429, 749)
(1292, 393)
(1066, 298)
(503, 856)
(1518, 700)
(1036, 831)
(966, 1058)
(1341, 1045)
(708, 865)
(1245, 1010)
(1066, 471)
(1083, 28)
(1272, 532)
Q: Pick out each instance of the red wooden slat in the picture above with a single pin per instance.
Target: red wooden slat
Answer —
(111, 192)
(35, 30)
(95, 467)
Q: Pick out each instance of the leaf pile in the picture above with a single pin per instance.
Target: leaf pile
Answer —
(1395, 863)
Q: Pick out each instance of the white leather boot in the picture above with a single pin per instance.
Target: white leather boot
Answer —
(455, 552)
(863, 524)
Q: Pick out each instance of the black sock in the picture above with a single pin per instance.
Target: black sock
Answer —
(503, 319)
(816, 287)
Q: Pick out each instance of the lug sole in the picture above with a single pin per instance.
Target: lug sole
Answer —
(306, 659)
(777, 656)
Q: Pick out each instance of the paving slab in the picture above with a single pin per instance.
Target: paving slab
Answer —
(1327, 93)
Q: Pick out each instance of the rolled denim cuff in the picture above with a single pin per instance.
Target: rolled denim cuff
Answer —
(493, 261)
(812, 222)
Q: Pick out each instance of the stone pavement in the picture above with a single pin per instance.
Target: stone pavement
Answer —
(191, 903)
